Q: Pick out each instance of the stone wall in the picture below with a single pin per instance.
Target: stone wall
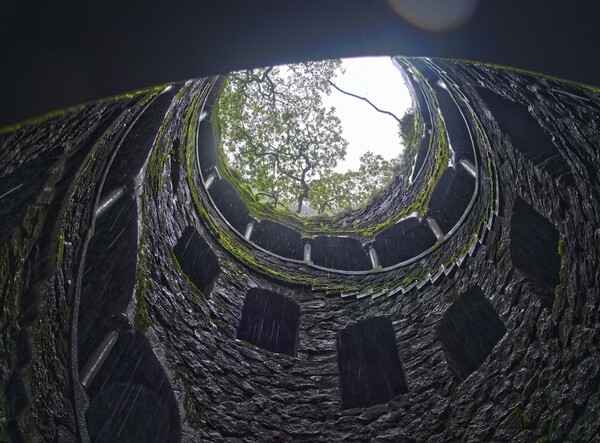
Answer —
(491, 335)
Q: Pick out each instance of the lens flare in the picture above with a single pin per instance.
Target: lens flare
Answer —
(435, 15)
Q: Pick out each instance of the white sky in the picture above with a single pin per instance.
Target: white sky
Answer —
(377, 79)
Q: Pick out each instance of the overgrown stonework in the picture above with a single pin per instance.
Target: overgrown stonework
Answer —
(105, 338)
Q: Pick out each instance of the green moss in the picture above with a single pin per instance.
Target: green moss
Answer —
(158, 156)
(529, 429)
(548, 426)
(335, 288)
(197, 294)
(61, 246)
(515, 413)
(526, 421)
(409, 280)
(141, 320)
(191, 410)
(322, 224)
(561, 247)
(557, 289)
(535, 395)
(461, 251)
(526, 435)
(189, 406)
(73, 109)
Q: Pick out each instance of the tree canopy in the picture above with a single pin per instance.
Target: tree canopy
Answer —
(281, 139)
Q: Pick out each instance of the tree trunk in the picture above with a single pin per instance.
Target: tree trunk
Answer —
(300, 203)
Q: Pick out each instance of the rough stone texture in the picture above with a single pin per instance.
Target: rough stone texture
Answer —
(539, 382)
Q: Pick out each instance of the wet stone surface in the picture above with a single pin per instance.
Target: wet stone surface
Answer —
(179, 372)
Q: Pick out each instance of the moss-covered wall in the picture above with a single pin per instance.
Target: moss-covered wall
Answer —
(177, 347)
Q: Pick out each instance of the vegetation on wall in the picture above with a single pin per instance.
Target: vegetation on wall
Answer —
(281, 139)
(411, 129)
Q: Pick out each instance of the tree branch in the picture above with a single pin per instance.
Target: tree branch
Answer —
(365, 100)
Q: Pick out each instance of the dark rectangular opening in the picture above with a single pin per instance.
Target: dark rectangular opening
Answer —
(207, 153)
(469, 330)
(278, 239)
(525, 133)
(131, 398)
(343, 253)
(270, 321)
(229, 204)
(107, 283)
(197, 260)
(534, 245)
(370, 369)
(403, 241)
(451, 197)
(455, 125)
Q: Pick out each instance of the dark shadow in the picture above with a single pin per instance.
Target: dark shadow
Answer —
(342, 253)
(229, 204)
(451, 197)
(197, 260)
(534, 245)
(458, 133)
(131, 398)
(421, 155)
(469, 330)
(138, 143)
(402, 241)
(370, 369)
(207, 152)
(108, 283)
(278, 239)
(525, 134)
(270, 321)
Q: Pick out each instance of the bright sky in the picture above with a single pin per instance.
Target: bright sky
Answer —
(377, 79)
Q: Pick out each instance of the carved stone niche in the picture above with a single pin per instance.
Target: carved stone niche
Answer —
(197, 260)
(370, 369)
(534, 245)
(468, 331)
(270, 321)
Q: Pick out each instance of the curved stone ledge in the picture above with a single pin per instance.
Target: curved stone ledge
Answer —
(451, 199)
(403, 241)
(466, 342)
